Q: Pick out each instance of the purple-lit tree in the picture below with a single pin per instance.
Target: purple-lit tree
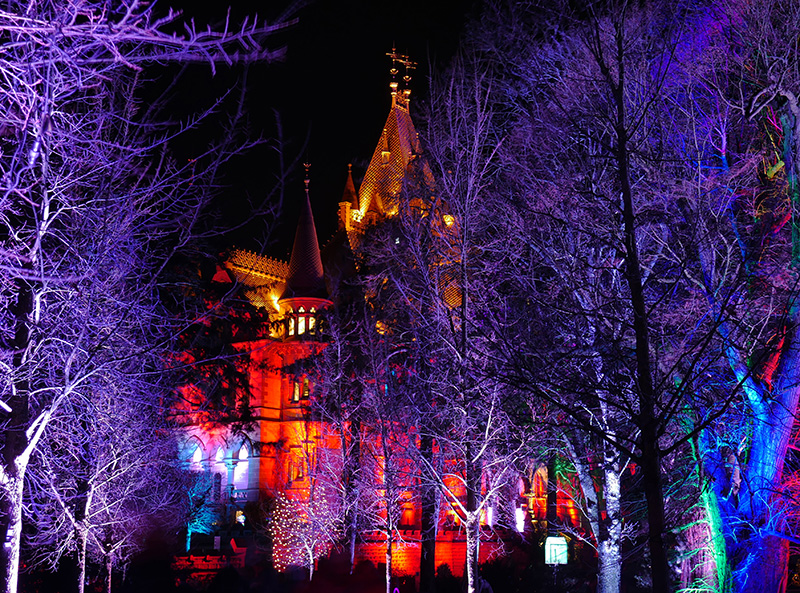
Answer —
(609, 333)
(655, 157)
(737, 103)
(102, 477)
(88, 202)
(338, 401)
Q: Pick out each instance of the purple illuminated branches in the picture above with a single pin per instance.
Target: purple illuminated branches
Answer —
(654, 153)
(91, 207)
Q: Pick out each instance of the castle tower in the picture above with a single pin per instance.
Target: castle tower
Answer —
(305, 294)
(394, 157)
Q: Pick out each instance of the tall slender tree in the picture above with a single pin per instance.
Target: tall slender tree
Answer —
(78, 155)
(600, 253)
(736, 101)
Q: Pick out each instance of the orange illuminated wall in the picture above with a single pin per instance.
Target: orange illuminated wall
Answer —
(290, 445)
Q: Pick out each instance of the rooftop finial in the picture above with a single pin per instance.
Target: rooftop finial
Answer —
(408, 65)
(307, 179)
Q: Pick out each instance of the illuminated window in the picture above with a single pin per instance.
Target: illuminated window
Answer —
(240, 473)
(301, 322)
(196, 459)
(295, 391)
(306, 388)
(519, 519)
(312, 321)
(291, 326)
(296, 468)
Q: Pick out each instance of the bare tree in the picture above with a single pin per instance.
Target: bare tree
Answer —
(79, 155)
(737, 103)
(593, 212)
(430, 280)
(102, 478)
(338, 369)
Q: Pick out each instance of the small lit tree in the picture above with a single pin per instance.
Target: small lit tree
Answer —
(303, 531)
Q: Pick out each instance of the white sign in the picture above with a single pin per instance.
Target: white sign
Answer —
(555, 550)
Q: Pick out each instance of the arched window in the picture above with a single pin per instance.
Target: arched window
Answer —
(312, 321)
(196, 460)
(301, 321)
(291, 325)
(295, 391)
(240, 471)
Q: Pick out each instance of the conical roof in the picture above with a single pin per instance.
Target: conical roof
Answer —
(396, 147)
(306, 277)
(350, 196)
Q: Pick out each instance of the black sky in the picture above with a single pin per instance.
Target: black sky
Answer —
(331, 91)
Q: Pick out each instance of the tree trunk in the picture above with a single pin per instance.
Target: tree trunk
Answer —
(13, 503)
(767, 560)
(389, 541)
(109, 573)
(654, 494)
(352, 451)
(647, 421)
(15, 437)
(81, 559)
(609, 555)
(427, 557)
(472, 525)
(472, 520)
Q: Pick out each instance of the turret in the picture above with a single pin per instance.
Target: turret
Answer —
(305, 294)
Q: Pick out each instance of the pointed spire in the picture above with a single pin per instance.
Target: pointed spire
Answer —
(306, 277)
(350, 196)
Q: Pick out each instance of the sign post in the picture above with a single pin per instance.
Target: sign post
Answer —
(556, 551)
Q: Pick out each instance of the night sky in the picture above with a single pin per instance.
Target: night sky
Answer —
(332, 96)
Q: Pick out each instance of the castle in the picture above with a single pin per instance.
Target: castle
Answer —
(276, 456)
